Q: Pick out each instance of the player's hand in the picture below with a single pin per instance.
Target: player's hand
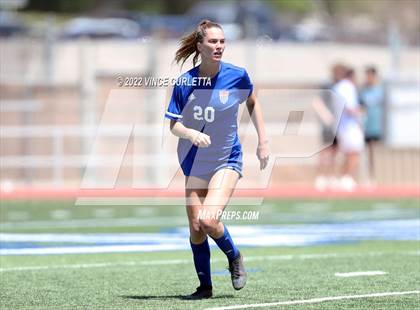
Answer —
(263, 154)
(198, 138)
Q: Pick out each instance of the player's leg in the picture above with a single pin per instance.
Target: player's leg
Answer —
(351, 143)
(221, 187)
(326, 168)
(332, 180)
(372, 145)
(195, 191)
(351, 164)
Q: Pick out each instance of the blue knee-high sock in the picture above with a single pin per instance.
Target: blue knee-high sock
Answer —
(226, 244)
(201, 254)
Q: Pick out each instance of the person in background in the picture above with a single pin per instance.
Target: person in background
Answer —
(351, 76)
(349, 134)
(372, 101)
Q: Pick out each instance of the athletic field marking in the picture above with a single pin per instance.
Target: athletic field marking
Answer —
(99, 265)
(314, 300)
(142, 211)
(60, 214)
(188, 261)
(103, 213)
(17, 215)
(148, 201)
(176, 238)
(116, 222)
(359, 274)
(312, 207)
(176, 220)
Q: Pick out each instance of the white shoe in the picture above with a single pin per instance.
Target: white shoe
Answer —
(321, 183)
(347, 183)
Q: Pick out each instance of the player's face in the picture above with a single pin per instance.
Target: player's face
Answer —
(213, 45)
(338, 73)
(370, 78)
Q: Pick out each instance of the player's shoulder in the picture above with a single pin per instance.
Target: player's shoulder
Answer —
(345, 85)
(232, 69)
(189, 74)
(183, 83)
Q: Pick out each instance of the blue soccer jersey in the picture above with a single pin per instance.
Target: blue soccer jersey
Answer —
(210, 107)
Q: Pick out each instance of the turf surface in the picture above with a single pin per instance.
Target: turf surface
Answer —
(158, 280)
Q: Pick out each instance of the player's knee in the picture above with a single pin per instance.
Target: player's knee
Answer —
(195, 228)
(196, 234)
(209, 226)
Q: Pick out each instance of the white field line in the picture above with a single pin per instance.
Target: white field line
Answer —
(359, 274)
(94, 249)
(173, 220)
(188, 261)
(118, 222)
(167, 201)
(93, 238)
(18, 215)
(314, 300)
(99, 265)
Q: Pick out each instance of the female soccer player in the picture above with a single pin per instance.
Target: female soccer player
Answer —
(203, 112)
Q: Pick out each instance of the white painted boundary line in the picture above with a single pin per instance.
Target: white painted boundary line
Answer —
(94, 249)
(98, 265)
(314, 300)
(188, 261)
(174, 220)
(117, 222)
(359, 274)
(150, 201)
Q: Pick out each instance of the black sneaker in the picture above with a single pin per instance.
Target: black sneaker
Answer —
(202, 292)
(237, 272)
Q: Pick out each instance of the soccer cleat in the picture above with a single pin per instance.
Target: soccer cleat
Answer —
(202, 292)
(237, 272)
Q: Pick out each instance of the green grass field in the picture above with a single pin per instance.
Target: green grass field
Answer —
(158, 280)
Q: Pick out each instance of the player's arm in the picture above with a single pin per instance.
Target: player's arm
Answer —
(197, 138)
(355, 111)
(254, 109)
